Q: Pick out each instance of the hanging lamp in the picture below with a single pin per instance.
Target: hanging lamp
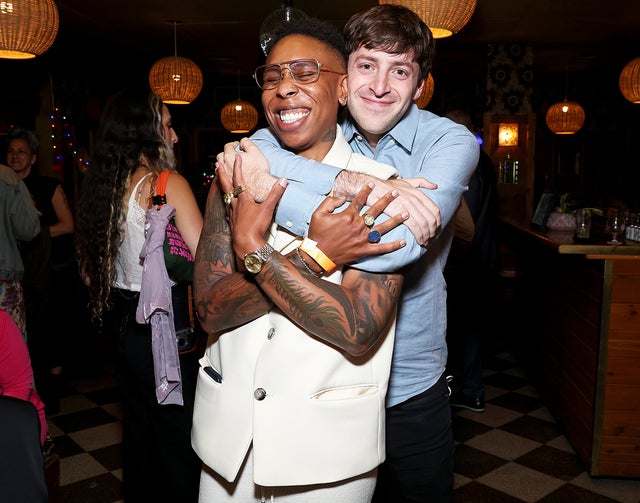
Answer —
(177, 80)
(426, 94)
(629, 81)
(284, 14)
(239, 116)
(443, 17)
(565, 117)
(27, 28)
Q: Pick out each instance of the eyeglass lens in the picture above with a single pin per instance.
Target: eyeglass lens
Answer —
(303, 71)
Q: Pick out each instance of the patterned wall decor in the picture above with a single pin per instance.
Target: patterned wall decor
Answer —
(509, 79)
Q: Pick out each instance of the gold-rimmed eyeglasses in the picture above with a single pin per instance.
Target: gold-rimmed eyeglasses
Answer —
(302, 71)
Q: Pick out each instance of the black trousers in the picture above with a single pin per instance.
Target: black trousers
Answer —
(158, 462)
(21, 461)
(419, 463)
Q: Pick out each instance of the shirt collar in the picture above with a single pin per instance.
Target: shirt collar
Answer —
(403, 133)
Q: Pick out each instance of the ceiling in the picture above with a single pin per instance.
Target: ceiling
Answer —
(221, 36)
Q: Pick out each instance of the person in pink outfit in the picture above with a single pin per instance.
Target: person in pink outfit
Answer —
(16, 375)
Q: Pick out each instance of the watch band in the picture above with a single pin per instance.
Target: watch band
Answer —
(310, 247)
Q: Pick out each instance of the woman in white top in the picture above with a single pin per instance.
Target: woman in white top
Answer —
(134, 144)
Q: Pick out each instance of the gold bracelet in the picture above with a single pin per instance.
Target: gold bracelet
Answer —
(306, 266)
(310, 247)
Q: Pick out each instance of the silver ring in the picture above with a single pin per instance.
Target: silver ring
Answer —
(374, 237)
(369, 219)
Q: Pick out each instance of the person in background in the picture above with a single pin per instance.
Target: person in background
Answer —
(18, 222)
(50, 273)
(290, 396)
(472, 277)
(23, 425)
(16, 374)
(133, 145)
(390, 55)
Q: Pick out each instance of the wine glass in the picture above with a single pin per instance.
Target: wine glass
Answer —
(614, 226)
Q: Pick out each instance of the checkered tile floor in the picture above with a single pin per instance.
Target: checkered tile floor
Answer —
(513, 452)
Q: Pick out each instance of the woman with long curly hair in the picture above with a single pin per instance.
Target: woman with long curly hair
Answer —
(134, 144)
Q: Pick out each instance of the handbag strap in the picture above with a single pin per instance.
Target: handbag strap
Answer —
(160, 197)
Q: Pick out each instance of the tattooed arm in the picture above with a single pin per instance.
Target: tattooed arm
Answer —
(350, 315)
(224, 297)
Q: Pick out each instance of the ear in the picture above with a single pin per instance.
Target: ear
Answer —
(418, 92)
(344, 90)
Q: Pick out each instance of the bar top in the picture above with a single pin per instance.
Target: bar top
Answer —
(563, 242)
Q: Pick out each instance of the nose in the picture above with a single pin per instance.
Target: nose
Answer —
(380, 84)
(286, 86)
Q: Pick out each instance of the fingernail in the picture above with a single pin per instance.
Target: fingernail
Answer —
(371, 185)
(405, 215)
(403, 243)
(283, 182)
(395, 193)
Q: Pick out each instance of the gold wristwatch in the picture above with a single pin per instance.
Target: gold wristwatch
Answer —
(253, 261)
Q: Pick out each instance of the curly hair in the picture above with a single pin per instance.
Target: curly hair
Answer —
(129, 132)
(394, 29)
(313, 28)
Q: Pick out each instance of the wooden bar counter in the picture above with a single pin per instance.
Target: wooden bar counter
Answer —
(580, 304)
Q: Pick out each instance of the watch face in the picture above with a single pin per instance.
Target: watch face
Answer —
(253, 263)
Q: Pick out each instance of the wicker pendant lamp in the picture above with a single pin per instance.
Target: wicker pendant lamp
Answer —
(239, 116)
(27, 28)
(629, 81)
(565, 117)
(426, 94)
(178, 81)
(443, 17)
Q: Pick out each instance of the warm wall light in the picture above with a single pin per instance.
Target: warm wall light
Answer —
(27, 28)
(629, 81)
(508, 135)
(178, 81)
(426, 94)
(239, 116)
(566, 117)
(443, 17)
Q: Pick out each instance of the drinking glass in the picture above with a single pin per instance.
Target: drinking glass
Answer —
(615, 224)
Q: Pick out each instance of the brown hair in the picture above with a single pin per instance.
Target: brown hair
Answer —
(394, 29)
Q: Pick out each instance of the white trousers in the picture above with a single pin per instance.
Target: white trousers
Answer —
(215, 489)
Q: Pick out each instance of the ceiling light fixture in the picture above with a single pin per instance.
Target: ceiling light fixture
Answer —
(443, 17)
(239, 116)
(27, 28)
(629, 81)
(565, 117)
(426, 94)
(177, 80)
(284, 14)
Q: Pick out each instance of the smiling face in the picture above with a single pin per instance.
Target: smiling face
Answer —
(304, 116)
(382, 87)
(19, 157)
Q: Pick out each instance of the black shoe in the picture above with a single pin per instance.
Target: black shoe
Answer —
(476, 404)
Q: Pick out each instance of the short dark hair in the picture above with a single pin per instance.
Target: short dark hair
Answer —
(313, 28)
(392, 28)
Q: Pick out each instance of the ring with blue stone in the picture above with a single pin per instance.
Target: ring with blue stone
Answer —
(374, 237)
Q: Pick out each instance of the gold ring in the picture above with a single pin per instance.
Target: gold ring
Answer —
(369, 219)
(227, 198)
(238, 190)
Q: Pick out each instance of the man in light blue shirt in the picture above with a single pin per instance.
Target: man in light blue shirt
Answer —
(391, 51)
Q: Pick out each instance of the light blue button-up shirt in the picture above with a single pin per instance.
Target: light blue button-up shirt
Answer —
(425, 145)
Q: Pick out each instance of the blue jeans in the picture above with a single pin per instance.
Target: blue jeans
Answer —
(419, 463)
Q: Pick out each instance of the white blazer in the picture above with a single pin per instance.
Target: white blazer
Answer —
(314, 413)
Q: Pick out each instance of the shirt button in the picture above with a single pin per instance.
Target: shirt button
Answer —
(289, 224)
(271, 333)
(259, 394)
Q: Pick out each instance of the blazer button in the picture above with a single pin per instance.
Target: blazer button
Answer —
(271, 333)
(259, 394)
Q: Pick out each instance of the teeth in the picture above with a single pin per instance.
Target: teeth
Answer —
(289, 117)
